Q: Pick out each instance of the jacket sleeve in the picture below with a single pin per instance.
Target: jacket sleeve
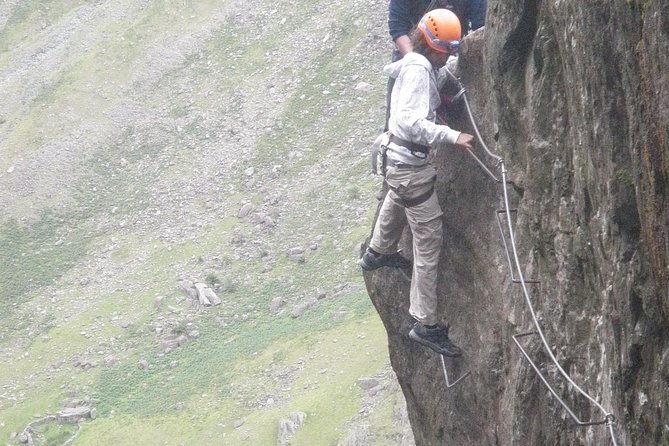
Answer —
(443, 78)
(413, 110)
(399, 18)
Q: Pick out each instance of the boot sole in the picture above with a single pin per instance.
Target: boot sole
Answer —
(366, 266)
(433, 346)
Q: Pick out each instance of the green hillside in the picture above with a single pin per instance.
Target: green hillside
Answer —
(146, 143)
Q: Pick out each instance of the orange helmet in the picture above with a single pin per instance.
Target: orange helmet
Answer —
(441, 30)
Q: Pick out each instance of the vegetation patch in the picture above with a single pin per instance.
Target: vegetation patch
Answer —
(176, 115)
(35, 255)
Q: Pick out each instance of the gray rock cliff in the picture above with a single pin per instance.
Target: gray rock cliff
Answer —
(575, 97)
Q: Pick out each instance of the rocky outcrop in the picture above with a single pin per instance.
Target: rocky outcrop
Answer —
(573, 95)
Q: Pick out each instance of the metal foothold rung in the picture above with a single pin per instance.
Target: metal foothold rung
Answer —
(607, 420)
(448, 383)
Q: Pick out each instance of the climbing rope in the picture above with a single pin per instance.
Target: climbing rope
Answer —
(609, 419)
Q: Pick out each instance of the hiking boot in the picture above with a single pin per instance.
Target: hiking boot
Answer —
(371, 260)
(435, 338)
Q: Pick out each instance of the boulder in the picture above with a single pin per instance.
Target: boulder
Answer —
(72, 415)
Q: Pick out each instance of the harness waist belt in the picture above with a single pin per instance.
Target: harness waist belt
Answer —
(399, 165)
(422, 198)
(409, 145)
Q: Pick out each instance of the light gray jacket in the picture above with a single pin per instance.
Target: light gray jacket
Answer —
(413, 105)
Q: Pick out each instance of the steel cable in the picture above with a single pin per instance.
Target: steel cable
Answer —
(609, 419)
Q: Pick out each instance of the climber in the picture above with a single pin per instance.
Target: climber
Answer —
(403, 15)
(411, 197)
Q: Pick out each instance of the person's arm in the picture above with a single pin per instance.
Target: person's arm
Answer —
(400, 24)
(477, 9)
(465, 141)
(443, 76)
(403, 44)
(414, 107)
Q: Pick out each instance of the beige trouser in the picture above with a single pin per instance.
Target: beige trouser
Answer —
(425, 222)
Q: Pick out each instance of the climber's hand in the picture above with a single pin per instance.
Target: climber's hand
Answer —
(465, 141)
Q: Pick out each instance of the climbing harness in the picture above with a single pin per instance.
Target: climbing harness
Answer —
(609, 419)
(379, 156)
(420, 199)
(412, 146)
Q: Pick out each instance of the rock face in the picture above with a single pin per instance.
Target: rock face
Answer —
(573, 95)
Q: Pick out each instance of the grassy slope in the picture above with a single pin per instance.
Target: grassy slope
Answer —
(72, 269)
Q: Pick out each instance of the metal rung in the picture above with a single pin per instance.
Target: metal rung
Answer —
(448, 383)
(608, 419)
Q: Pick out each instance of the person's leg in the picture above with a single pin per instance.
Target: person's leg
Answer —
(426, 228)
(389, 225)
(382, 250)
